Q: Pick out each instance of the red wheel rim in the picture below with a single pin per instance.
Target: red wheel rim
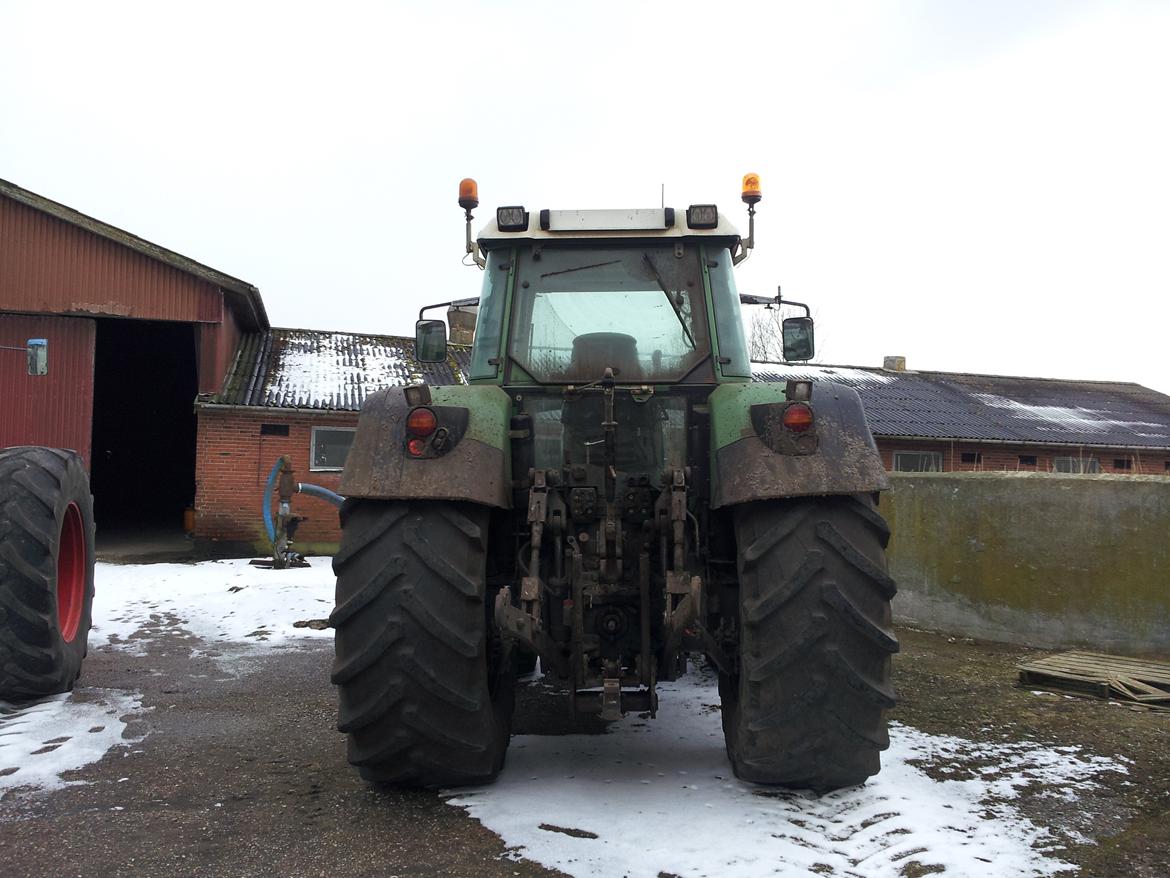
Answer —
(71, 558)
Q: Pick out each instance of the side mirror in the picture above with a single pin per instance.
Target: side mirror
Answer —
(798, 338)
(38, 356)
(430, 341)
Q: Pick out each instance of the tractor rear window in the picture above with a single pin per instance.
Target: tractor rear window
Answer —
(638, 310)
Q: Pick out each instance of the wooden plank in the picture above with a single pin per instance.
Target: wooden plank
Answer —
(1138, 681)
(1153, 666)
(1095, 665)
(1101, 664)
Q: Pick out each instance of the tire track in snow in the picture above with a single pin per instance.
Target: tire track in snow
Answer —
(660, 798)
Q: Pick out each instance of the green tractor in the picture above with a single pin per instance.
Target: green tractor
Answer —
(610, 492)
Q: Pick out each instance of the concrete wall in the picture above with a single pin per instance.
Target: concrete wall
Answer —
(1042, 559)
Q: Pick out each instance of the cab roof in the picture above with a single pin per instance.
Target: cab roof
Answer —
(611, 224)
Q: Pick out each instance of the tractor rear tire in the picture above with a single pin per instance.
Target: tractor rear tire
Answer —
(807, 707)
(426, 689)
(46, 570)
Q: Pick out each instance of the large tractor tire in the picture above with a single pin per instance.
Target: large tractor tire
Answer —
(426, 690)
(46, 570)
(807, 708)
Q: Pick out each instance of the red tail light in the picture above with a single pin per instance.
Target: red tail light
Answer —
(421, 422)
(798, 418)
(416, 446)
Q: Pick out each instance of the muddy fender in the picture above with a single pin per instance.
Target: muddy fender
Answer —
(473, 462)
(756, 458)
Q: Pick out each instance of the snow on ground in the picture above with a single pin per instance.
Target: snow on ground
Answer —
(41, 741)
(658, 797)
(231, 606)
(650, 797)
(221, 602)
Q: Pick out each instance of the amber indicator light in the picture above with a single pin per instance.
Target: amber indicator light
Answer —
(798, 418)
(468, 194)
(751, 188)
(421, 422)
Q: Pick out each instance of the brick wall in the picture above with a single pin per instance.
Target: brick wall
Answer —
(976, 457)
(233, 459)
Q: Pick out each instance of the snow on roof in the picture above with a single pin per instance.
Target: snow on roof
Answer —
(303, 368)
(997, 408)
(336, 371)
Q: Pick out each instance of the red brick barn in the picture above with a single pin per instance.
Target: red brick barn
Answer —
(294, 392)
(134, 332)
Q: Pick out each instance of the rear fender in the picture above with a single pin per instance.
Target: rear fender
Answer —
(754, 458)
(477, 466)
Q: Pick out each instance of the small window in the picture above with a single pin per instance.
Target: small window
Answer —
(1027, 460)
(274, 429)
(971, 457)
(1076, 465)
(1123, 463)
(918, 461)
(1167, 466)
(330, 447)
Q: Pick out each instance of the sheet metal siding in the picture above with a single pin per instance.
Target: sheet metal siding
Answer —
(54, 409)
(50, 266)
(216, 345)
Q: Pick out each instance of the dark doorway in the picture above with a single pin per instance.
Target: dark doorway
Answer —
(143, 470)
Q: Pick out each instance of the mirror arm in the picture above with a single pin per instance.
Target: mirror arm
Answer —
(782, 301)
(458, 303)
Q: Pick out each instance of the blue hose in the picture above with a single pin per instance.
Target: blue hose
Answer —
(320, 493)
(269, 527)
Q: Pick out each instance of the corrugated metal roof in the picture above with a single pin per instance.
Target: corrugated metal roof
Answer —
(998, 408)
(303, 368)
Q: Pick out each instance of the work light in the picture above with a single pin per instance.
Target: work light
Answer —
(512, 219)
(702, 216)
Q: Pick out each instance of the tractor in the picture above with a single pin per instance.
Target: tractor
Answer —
(611, 492)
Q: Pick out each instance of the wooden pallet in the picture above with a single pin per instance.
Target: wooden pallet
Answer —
(1137, 681)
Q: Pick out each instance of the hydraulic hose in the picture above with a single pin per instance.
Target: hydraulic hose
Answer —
(320, 493)
(269, 526)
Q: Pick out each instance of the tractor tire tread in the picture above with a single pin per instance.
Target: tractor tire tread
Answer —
(807, 706)
(37, 486)
(412, 646)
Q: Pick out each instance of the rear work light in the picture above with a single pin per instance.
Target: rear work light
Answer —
(421, 422)
(702, 216)
(798, 417)
(512, 219)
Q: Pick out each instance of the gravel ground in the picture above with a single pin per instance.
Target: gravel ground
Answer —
(241, 772)
(958, 686)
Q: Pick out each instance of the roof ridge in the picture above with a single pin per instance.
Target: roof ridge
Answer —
(226, 282)
(409, 338)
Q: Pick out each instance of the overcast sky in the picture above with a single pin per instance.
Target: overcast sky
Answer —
(978, 186)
